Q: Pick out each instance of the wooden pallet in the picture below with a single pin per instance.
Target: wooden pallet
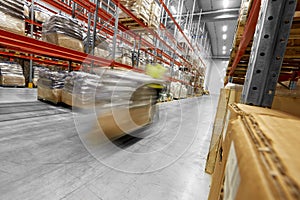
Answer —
(132, 24)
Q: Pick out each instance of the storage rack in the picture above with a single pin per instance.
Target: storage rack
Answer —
(168, 52)
(260, 61)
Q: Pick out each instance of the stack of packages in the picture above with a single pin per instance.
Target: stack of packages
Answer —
(122, 100)
(147, 10)
(12, 16)
(183, 92)
(80, 89)
(50, 85)
(155, 15)
(101, 47)
(124, 55)
(140, 8)
(175, 89)
(64, 32)
(40, 15)
(11, 74)
(36, 72)
(256, 154)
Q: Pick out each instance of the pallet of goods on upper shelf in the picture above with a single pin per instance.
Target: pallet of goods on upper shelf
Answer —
(243, 16)
(50, 85)
(12, 16)
(102, 47)
(11, 74)
(146, 10)
(63, 31)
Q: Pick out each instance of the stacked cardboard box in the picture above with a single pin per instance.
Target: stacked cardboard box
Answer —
(50, 84)
(121, 99)
(80, 89)
(146, 10)
(257, 156)
(12, 16)
(124, 55)
(101, 49)
(11, 74)
(64, 32)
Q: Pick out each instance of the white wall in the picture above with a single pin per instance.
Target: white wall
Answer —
(215, 74)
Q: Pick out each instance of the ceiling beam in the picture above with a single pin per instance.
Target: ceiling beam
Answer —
(215, 15)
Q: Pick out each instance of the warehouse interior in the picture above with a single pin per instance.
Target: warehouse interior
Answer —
(149, 99)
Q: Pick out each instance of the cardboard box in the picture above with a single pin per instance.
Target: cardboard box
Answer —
(12, 24)
(259, 156)
(230, 94)
(12, 80)
(47, 94)
(63, 41)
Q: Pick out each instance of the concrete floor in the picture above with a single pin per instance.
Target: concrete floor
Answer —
(42, 156)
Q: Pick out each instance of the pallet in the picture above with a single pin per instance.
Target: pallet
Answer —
(132, 24)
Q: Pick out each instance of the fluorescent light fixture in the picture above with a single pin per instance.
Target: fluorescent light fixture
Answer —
(224, 52)
(173, 9)
(224, 36)
(225, 3)
(224, 48)
(225, 28)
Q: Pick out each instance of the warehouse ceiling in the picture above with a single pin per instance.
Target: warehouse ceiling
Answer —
(215, 14)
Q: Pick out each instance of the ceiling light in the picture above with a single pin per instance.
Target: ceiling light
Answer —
(224, 52)
(224, 36)
(225, 28)
(224, 48)
(225, 3)
(173, 9)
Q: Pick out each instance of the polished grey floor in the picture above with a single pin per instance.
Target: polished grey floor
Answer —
(43, 157)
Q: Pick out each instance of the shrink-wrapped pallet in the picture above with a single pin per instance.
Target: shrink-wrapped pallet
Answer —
(50, 85)
(64, 32)
(101, 49)
(79, 89)
(11, 74)
(120, 100)
(12, 16)
(40, 15)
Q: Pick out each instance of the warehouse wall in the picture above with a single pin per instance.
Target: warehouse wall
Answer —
(215, 75)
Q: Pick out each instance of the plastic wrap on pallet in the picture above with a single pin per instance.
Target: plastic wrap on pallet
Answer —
(12, 8)
(52, 79)
(11, 74)
(63, 31)
(36, 72)
(102, 48)
(110, 88)
(12, 17)
(48, 94)
(40, 15)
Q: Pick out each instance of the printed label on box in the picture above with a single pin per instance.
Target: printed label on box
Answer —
(232, 175)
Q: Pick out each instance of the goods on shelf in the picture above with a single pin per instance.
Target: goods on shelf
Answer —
(183, 92)
(64, 32)
(50, 85)
(146, 10)
(40, 15)
(258, 145)
(80, 89)
(175, 89)
(102, 48)
(155, 15)
(11, 74)
(36, 72)
(12, 16)
(124, 55)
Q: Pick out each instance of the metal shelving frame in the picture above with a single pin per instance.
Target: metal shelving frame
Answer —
(106, 23)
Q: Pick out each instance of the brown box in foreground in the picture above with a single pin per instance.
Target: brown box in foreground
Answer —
(259, 157)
